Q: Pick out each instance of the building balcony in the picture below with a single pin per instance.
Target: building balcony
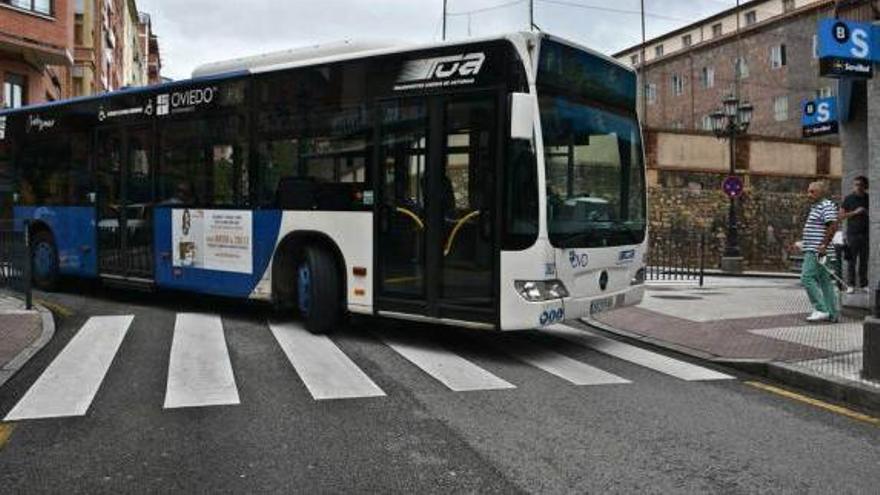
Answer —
(35, 52)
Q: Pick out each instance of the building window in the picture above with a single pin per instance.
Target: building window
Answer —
(78, 29)
(79, 86)
(707, 123)
(38, 6)
(14, 91)
(741, 68)
(651, 93)
(707, 77)
(687, 40)
(716, 30)
(634, 59)
(677, 85)
(777, 56)
(751, 18)
(658, 51)
(825, 92)
(780, 108)
(787, 5)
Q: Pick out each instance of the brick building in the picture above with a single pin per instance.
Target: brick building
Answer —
(56, 49)
(765, 47)
(112, 46)
(150, 43)
(36, 40)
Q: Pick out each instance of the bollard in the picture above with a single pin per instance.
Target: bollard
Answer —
(876, 305)
(871, 342)
(26, 267)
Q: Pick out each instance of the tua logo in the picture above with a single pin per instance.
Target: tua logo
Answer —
(463, 65)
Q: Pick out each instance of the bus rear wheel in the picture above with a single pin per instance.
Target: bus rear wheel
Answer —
(44, 261)
(317, 290)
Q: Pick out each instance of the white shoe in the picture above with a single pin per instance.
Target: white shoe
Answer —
(819, 316)
(865, 290)
(850, 290)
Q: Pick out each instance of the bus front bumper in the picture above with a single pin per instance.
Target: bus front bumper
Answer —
(587, 307)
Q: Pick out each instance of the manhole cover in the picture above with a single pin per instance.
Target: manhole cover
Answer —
(678, 298)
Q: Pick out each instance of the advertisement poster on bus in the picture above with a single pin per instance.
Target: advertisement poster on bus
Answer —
(218, 240)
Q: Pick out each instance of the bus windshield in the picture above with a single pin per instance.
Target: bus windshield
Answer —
(592, 152)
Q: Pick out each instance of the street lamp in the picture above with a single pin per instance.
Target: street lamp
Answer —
(731, 121)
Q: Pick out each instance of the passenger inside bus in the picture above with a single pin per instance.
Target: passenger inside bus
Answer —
(183, 195)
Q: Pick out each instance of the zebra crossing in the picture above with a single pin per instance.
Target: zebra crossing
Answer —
(200, 371)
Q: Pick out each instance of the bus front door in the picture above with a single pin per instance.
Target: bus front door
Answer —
(124, 204)
(437, 243)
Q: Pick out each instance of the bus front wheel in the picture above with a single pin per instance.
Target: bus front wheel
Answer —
(317, 290)
(44, 261)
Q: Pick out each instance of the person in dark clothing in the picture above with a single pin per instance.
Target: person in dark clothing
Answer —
(855, 211)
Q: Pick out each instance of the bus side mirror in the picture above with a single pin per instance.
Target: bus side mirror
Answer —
(522, 116)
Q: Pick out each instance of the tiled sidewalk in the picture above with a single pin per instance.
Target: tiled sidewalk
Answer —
(22, 333)
(753, 320)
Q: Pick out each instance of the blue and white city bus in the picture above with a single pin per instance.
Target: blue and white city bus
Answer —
(495, 183)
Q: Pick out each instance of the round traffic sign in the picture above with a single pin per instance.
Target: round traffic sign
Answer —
(733, 186)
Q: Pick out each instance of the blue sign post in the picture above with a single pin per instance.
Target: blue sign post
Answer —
(820, 117)
(847, 49)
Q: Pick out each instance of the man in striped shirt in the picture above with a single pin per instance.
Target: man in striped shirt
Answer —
(819, 228)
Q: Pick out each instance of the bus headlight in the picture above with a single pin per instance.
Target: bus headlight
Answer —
(541, 290)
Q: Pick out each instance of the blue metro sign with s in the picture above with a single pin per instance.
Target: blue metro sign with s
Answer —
(820, 117)
(847, 49)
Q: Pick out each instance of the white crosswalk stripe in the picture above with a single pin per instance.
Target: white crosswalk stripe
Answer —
(68, 386)
(636, 355)
(199, 371)
(564, 367)
(450, 369)
(324, 369)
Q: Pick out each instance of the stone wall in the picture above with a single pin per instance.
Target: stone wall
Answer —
(770, 217)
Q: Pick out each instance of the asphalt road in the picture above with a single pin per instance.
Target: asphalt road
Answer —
(645, 432)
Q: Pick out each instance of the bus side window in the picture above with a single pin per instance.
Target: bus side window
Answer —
(54, 173)
(204, 163)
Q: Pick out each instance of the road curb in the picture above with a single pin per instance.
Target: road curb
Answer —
(48, 331)
(669, 346)
(837, 389)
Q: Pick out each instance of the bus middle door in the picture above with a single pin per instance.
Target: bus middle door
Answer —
(125, 198)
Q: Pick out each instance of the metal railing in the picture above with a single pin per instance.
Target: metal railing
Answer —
(677, 255)
(15, 264)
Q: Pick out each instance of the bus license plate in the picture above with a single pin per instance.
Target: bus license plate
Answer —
(600, 305)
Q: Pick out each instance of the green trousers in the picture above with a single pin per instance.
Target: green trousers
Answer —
(819, 285)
